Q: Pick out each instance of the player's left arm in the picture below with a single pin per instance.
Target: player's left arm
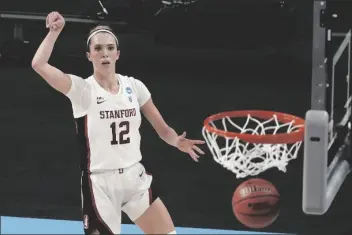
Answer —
(168, 134)
(165, 132)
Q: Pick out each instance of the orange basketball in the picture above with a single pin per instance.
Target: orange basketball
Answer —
(255, 203)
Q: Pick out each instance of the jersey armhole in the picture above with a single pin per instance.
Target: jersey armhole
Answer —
(92, 99)
(86, 111)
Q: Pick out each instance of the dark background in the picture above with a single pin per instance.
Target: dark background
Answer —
(229, 56)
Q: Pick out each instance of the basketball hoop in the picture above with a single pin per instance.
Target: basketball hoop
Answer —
(252, 141)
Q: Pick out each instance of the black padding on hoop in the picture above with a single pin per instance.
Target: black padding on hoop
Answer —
(314, 139)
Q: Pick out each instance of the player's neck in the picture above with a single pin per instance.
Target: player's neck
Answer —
(107, 81)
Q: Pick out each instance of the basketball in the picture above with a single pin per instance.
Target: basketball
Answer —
(255, 203)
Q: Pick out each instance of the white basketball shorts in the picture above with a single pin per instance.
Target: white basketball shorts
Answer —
(106, 194)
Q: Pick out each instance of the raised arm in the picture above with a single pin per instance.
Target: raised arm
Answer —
(55, 77)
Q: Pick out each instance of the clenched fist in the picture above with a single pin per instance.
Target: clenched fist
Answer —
(55, 21)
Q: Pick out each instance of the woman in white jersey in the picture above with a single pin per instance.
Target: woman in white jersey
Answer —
(107, 108)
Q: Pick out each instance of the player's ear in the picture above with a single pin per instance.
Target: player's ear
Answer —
(88, 56)
(117, 54)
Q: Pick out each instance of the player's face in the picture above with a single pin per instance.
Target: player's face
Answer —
(103, 52)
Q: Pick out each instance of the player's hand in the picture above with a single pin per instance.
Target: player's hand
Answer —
(55, 22)
(189, 146)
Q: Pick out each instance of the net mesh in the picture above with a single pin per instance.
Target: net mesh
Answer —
(250, 159)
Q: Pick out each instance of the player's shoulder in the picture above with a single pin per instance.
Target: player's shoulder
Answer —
(130, 81)
(89, 79)
(76, 77)
(127, 79)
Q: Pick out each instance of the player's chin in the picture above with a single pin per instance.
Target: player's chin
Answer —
(106, 68)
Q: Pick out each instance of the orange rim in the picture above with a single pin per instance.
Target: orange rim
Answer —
(292, 137)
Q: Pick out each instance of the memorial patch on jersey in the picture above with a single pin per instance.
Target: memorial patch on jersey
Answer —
(122, 113)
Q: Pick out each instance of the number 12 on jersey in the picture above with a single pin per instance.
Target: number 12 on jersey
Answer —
(124, 129)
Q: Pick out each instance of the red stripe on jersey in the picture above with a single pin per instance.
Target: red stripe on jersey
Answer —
(87, 142)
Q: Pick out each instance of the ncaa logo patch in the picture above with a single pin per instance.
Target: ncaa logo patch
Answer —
(128, 90)
(86, 221)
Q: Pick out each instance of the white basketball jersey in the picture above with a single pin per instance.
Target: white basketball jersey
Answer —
(108, 124)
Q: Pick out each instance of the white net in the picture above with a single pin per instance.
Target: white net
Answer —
(243, 158)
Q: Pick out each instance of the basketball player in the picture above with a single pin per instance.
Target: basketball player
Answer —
(106, 107)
